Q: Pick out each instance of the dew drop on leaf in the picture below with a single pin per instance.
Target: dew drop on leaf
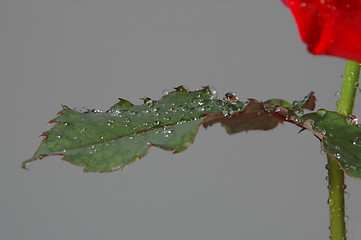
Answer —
(156, 123)
(299, 112)
(214, 92)
(165, 92)
(147, 101)
(230, 97)
(353, 120)
(225, 113)
(321, 112)
(327, 167)
(357, 141)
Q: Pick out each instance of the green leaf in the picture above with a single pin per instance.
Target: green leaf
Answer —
(340, 137)
(106, 141)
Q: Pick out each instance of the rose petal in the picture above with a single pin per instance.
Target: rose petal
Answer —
(329, 27)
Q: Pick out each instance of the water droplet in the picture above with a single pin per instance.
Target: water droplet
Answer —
(353, 120)
(110, 122)
(344, 187)
(156, 123)
(357, 141)
(299, 112)
(165, 92)
(147, 100)
(331, 201)
(66, 124)
(297, 120)
(101, 138)
(337, 155)
(185, 108)
(338, 94)
(58, 136)
(230, 97)
(225, 113)
(327, 167)
(214, 92)
(321, 112)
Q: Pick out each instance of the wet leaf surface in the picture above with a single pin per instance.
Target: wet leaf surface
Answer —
(340, 137)
(106, 141)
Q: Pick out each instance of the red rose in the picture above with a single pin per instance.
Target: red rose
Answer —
(330, 27)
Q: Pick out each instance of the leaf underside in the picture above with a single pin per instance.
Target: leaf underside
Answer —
(340, 137)
(107, 141)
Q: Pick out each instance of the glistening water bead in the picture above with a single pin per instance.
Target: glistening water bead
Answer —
(214, 92)
(230, 97)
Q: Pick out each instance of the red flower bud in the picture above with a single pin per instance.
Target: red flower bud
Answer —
(329, 27)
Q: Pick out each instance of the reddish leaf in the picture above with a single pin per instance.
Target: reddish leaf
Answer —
(260, 115)
(256, 116)
(329, 27)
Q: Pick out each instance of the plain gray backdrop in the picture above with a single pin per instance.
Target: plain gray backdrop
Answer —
(87, 53)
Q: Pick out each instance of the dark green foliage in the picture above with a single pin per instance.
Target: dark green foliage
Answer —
(340, 137)
(106, 141)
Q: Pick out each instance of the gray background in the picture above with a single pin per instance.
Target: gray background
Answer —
(255, 185)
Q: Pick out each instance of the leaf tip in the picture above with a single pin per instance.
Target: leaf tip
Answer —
(182, 88)
(26, 163)
(64, 107)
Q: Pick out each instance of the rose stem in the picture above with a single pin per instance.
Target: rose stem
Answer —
(336, 176)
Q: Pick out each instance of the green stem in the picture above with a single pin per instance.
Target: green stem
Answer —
(336, 176)
(349, 88)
